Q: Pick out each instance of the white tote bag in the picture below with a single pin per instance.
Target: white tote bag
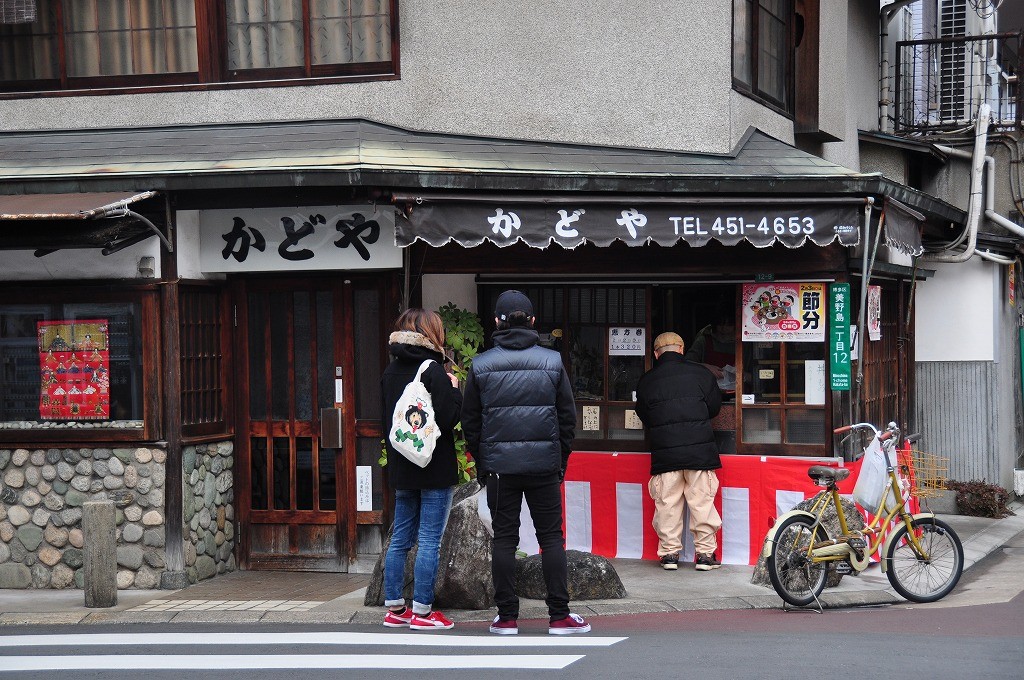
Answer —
(414, 430)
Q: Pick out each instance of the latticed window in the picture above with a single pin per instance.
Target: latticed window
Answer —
(762, 50)
(91, 44)
(202, 361)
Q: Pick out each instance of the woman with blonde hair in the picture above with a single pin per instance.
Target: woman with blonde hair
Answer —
(423, 496)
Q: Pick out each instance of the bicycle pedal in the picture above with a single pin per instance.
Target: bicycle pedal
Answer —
(857, 543)
(844, 567)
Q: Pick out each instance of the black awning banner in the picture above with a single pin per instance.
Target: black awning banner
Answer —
(469, 224)
(903, 228)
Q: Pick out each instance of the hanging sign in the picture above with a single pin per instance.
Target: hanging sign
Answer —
(74, 367)
(299, 238)
(783, 312)
(839, 336)
(626, 342)
(874, 312)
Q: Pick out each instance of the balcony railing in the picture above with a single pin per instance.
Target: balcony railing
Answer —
(940, 83)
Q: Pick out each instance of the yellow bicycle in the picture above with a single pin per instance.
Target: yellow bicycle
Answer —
(922, 556)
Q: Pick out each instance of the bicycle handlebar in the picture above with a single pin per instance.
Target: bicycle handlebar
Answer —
(855, 426)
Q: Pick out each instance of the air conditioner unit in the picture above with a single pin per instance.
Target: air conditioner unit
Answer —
(967, 74)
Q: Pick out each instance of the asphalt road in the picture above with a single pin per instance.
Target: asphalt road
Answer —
(978, 631)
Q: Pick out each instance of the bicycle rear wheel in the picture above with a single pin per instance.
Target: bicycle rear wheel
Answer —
(928, 577)
(794, 576)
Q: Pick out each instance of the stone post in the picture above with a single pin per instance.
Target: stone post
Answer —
(99, 553)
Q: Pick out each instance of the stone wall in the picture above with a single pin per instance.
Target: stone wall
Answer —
(41, 497)
(209, 510)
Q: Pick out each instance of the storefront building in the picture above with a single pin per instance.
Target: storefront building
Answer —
(216, 374)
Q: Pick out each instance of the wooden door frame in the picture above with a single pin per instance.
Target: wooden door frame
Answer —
(343, 352)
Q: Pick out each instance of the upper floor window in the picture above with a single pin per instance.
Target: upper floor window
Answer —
(762, 50)
(101, 44)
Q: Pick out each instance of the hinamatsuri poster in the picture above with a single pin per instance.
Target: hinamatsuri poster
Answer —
(783, 312)
(74, 364)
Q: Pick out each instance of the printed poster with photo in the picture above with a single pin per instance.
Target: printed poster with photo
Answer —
(783, 312)
(74, 366)
(874, 312)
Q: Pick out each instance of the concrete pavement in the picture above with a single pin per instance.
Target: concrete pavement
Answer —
(279, 598)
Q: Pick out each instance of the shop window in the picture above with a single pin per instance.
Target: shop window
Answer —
(782, 384)
(601, 332)
(202, 362)
(90, 44)
(762, 51)
(77, 365)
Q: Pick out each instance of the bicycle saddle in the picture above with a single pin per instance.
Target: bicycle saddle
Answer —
(823, 472)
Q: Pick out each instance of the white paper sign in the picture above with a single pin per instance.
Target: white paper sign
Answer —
(298, 238)
(364, 488)
(629, 341)
(591, 418)
(814, 382)
(633, 421)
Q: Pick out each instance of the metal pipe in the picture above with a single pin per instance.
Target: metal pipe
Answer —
(862, 312)
(974, 208)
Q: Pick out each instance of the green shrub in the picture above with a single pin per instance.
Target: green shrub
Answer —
(980, 499)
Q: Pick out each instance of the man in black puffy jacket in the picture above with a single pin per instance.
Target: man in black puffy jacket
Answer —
(676, 400)
(519, 418)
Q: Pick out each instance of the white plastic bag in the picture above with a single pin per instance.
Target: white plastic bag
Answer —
(414, 430)
(872, 481)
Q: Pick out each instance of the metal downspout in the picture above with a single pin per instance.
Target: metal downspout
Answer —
(974, 208)
(863, 312)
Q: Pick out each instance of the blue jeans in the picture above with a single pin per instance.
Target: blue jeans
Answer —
(420, 517)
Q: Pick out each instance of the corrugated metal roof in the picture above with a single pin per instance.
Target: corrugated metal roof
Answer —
(64, 206)
(361, 144)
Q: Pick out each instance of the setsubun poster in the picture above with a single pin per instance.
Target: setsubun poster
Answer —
(783, 312)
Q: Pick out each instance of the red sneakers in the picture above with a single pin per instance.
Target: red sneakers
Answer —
(499, 627)
(435, 620)
(399, 619)
(573, 623)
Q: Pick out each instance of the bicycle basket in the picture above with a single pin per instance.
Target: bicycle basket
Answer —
(926, 472)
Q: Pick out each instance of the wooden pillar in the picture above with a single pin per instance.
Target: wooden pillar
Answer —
(174, 576)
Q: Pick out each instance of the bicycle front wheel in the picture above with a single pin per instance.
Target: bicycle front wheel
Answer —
(794, 576)
(929, 576)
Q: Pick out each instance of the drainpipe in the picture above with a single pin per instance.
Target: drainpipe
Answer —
(865, 275)
(990, 191)
(974, 207)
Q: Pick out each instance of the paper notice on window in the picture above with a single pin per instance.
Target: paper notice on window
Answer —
(591, 418)
(627, 342)
(814, 382)
(633, 421)
(364, 488)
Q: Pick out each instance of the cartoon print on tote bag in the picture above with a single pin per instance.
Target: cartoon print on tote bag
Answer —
(414, 429)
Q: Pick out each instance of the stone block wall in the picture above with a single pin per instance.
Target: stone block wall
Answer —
(209, 510)
(41, 497)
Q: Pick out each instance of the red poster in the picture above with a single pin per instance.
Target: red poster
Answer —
(74, 364)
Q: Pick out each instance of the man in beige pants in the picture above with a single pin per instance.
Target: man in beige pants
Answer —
(676, 401)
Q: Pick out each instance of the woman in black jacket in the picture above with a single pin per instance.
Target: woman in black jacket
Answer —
(423, 496)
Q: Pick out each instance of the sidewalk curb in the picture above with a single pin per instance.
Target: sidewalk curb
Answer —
(976, 547)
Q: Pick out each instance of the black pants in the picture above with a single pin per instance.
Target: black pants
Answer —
(544, 498)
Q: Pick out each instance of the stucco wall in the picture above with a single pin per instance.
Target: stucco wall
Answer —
(655, 76)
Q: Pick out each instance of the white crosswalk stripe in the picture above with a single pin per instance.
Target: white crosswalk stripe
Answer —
(186, 660)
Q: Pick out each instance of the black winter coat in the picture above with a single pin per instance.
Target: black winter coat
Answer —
(519, 416)
(677, 400)
(443, 469)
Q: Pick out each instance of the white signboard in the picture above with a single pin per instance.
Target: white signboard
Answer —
(591, 418)
(364, 488)
(814, 382)
(627, 342)
(298, 238)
